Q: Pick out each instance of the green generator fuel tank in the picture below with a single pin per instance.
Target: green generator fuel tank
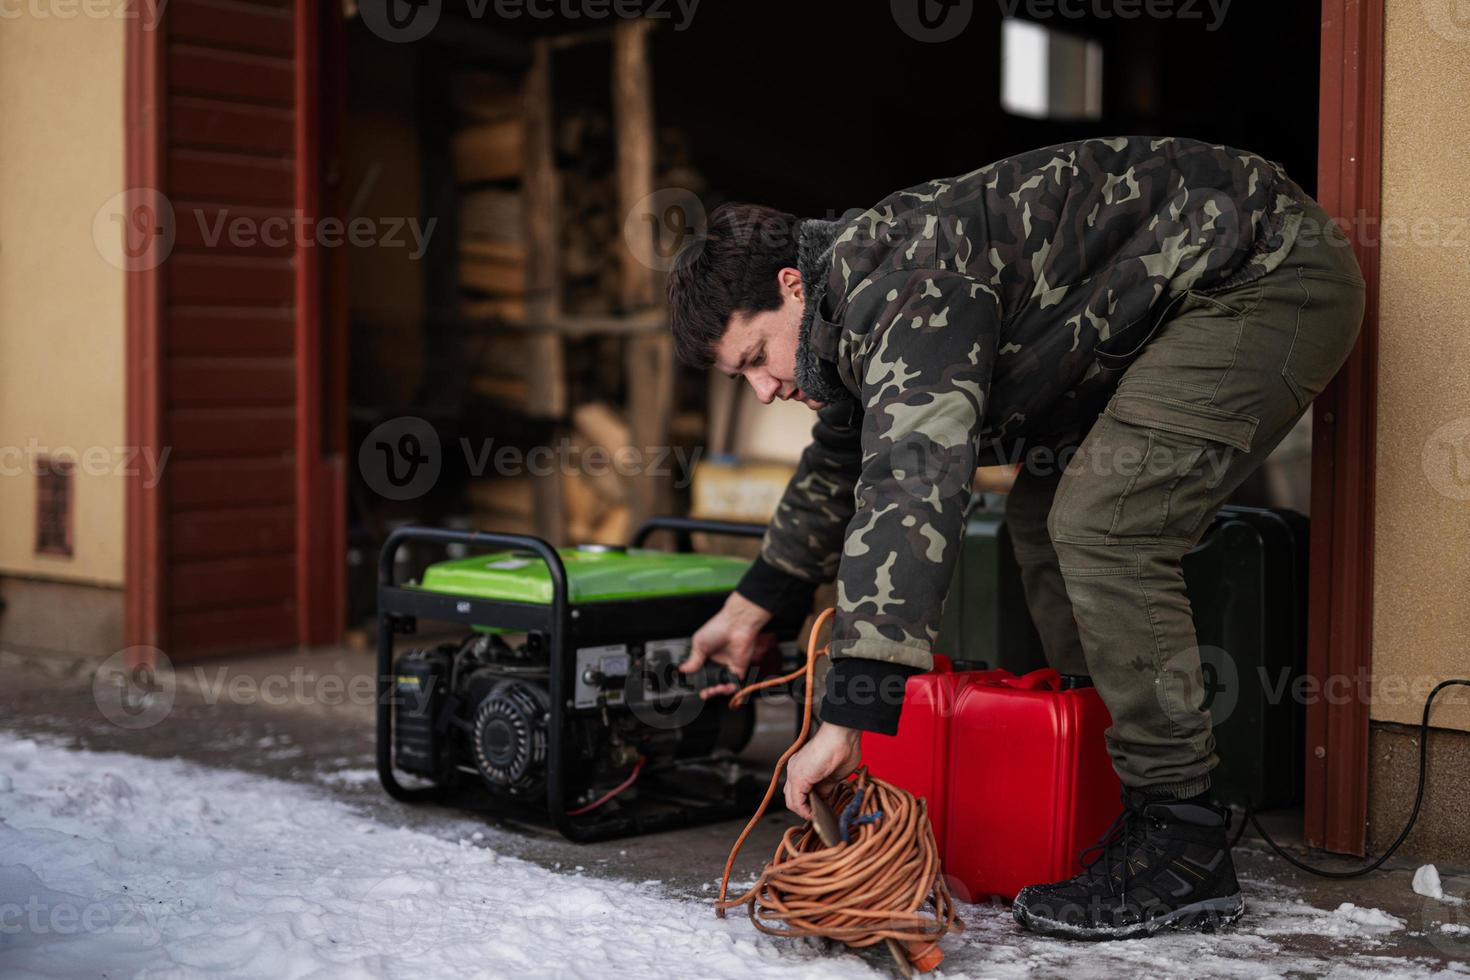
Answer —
(986, 619)
(594, 574)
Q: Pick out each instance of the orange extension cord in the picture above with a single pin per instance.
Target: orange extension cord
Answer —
(862, 892)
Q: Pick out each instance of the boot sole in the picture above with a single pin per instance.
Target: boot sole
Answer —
(1206, 916)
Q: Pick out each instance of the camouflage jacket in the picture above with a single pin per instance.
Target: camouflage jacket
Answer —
(953, 319)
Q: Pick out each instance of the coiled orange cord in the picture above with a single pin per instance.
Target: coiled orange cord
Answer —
(865, 891)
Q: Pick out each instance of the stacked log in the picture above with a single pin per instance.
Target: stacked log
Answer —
(595, 493)
(500, 153)
(489, 152)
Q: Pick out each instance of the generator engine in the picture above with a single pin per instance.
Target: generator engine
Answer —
(564, 693)
(482, 707)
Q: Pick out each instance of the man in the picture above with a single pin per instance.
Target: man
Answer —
(1140, 320)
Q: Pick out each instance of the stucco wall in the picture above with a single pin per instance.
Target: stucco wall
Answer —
(61, 304)
(1421, 630)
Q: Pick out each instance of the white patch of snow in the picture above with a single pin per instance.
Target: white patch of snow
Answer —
(348, 777)
(128, 865)
(132, 866)
(1372, 919)
(1426, 882)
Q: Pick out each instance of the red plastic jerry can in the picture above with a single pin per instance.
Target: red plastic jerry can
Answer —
(1030, 784)
(916, 758)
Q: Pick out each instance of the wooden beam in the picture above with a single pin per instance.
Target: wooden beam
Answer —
(649, 360)
(546, 362)
(1344, 433)
(632, 95)
(143, 102)
(320, 587)
(541, 207)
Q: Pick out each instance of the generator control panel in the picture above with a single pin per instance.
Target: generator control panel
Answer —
(646, 673)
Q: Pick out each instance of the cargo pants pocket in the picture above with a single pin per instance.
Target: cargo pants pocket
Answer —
(1149, 471)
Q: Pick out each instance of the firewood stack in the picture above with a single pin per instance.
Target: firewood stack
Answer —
(590, 227)
(492, 157)
(596, 494)
(594, 482)
(488, 159)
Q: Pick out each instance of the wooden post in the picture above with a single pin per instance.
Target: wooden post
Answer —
(546, 369)
(632, 98)
(649, 360)
(1344, 440)
(145, 609)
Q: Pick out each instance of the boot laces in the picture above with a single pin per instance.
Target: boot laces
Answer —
(1129, 830)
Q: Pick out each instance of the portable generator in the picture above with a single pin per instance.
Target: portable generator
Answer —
(564, 698)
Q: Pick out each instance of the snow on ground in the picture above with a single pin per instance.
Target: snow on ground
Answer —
(1427, 883)
(349, 777)
(123, 866)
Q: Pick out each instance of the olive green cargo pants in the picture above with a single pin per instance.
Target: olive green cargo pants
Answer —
(1100, 538)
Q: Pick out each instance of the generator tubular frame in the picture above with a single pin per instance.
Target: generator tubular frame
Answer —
(400, 607)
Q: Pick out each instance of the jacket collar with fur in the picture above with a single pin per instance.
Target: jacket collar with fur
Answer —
(816, 372)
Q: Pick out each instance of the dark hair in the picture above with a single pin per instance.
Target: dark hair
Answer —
(729, 269)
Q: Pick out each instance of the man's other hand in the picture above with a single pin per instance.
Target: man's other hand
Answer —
(729, 639)
(832, 753)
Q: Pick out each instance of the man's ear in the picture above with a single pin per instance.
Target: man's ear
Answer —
(790, 280)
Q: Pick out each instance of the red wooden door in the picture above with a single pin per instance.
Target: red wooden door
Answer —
(225, 334)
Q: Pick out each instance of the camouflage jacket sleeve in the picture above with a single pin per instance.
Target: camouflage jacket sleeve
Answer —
(920, 346)
(805, 534)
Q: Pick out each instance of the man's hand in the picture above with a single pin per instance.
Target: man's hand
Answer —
(729, 639)
(831, 754)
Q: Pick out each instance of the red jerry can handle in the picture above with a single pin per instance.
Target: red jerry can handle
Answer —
(1044, 679)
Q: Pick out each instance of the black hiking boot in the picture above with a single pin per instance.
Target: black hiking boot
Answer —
(1164, 864)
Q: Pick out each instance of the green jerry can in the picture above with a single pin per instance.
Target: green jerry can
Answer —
(986, 620)
(1247, 585)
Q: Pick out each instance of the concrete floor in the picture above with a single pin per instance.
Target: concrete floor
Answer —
(284, 716)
